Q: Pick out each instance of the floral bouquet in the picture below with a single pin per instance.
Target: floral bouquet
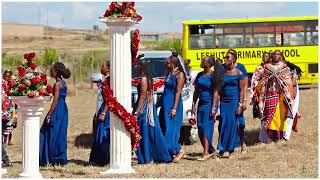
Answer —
(30, 81)
(122, 9)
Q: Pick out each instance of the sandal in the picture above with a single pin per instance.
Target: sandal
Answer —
(225, 155)
(243, 148)
(206, 157)
(179, 156)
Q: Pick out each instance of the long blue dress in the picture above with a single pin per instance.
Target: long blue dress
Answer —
(228, 125)
(53, 137)
(153, 146)
(100, 151)
(171, 126)
(205, 122)
(242, 122)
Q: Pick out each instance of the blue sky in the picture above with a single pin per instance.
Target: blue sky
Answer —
(157, 16)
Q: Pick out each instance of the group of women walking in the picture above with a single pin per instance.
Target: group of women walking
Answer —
(220, 96)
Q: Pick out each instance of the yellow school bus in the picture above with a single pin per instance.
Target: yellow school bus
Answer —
(296, 37)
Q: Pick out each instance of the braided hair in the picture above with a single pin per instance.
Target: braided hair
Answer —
(62, 70)
(143, 63)
(174, 59)
(218, 75)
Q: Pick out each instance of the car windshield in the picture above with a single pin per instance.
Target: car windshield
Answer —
(156, 66)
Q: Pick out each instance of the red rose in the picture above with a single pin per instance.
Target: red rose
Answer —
(9, 93)
(44, 81)
(49, 89)
(29, 56)
(132, 4)
(22, 87)
(123, 7)
(21, 71)
(107, 13)
(128, 14)
(35, 80)
(32, 66)
(42, 92)
(112, 6)
(43, 76)
(31, 94)
(11, 83)
(139, 17)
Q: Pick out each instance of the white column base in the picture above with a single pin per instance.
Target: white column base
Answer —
(35, 175)
(119, 171)
(3, 171)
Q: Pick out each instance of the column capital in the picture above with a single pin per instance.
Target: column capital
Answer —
(119, 21)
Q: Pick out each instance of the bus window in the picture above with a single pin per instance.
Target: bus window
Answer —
(312, 38)
(290, 33)
(293, 39)
(312, 32)
(201, 36)
(260, 35)
(201, 42)
(229, 35)
(229, 40)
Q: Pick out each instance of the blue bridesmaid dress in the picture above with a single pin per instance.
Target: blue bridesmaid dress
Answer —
(53, 136)
(100, 151)
(229, 122)
(205, 122)
(153, 146)
(171, 126)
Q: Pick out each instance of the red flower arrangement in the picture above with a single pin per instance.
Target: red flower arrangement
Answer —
(135, 39)
(129, 121)
(30, 81)
(122, 9)
(156, 85)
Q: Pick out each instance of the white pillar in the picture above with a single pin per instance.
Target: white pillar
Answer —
(30, 110)
(120, 81)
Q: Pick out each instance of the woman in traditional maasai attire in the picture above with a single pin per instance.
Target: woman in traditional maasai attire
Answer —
(100, 151)
(6, 115)
(172, 107)
(204, 86)
(231, 100)
(255, 94)
(153, 146)
(277, 94)
(53, 133)
(296, 73)
(7, 131)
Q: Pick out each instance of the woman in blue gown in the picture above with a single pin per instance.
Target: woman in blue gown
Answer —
(53, 133)
(153, 146)
(231, 100)
(100, 151)
(204, 86)
(172, 107)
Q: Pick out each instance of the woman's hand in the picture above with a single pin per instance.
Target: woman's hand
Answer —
(193, 111)
(244, 106)
(173, 113)
(213, 113)
(48, 119)
(102, 117)
(239, 110)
